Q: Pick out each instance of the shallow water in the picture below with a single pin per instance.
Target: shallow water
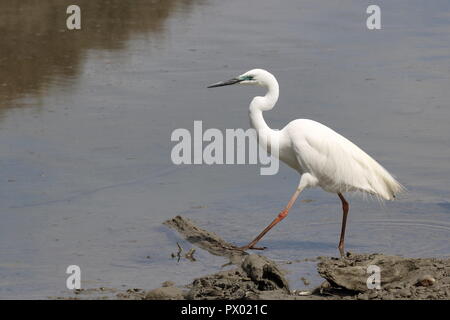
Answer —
(86, 118)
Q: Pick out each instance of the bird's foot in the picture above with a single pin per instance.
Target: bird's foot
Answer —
(249, 247)
(344, 255)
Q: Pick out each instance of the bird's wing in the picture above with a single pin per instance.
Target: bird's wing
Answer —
(337, 163)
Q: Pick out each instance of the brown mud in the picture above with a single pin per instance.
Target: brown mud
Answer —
(257, 277)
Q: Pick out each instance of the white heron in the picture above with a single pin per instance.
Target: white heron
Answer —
(321, 156)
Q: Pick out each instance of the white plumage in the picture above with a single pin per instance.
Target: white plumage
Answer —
(322, 156)
(337, 163)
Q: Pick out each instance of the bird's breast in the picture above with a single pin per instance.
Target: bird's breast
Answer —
(287, 153)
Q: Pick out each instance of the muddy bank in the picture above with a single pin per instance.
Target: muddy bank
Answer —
(260, 278)
(400, 278)
(256, 277)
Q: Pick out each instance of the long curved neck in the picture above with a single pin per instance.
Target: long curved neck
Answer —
(260, 104)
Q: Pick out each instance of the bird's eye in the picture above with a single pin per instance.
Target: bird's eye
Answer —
(247, 78)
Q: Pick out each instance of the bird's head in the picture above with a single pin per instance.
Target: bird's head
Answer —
(255, 77)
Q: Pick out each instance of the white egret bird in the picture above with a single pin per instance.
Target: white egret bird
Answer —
(321, 156)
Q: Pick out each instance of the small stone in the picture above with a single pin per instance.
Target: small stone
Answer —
(305, 281)
(425, 281)
(265, 272)
(325, 285)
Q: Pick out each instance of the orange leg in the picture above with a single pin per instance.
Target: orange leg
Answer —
(283, 214)
(345, 207)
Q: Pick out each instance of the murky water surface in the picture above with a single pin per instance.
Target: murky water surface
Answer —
(86, 118)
